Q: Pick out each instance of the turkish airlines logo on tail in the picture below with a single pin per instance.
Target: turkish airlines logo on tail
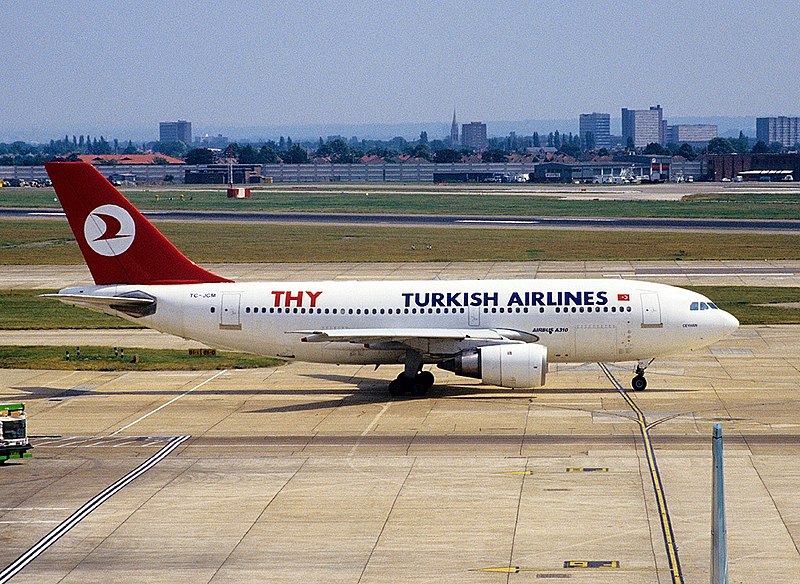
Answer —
(109, 230)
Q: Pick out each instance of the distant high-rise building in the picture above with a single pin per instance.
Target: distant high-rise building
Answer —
(454, 131)
(473, 135)
(692, 134)
(180, 131)
(643, 127)
(599, 125)
(781, 129)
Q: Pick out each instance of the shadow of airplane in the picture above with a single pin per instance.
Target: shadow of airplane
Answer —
(351, 391)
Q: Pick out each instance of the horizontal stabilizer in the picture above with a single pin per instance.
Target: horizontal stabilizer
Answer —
(101, 300)
(136, 306)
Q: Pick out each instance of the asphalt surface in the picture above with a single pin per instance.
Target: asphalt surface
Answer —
(311, 473)
(515, 221)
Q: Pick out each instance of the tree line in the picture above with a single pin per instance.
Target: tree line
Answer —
(337, 149)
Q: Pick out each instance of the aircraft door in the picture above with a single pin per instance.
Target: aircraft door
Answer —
(474, 315)
(651, 310)
(229, 317)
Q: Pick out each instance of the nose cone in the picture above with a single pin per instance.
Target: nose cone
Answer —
(729, 323)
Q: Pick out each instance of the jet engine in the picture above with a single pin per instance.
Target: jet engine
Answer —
(521, 365)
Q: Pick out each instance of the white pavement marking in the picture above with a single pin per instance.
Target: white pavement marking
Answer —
(34, 508)
(174, 399)
(39, 547)
(370, 427)
(29, 521)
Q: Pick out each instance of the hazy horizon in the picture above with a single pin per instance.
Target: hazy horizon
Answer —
(727, 126)
(118, 69)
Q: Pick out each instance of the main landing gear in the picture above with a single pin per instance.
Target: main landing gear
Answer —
(639, 383)
(412, 381)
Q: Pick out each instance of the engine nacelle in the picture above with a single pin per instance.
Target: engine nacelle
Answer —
(519, 365)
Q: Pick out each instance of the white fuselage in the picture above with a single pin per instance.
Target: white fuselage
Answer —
(577, 320)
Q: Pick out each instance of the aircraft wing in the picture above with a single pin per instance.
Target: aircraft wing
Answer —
(401, 335)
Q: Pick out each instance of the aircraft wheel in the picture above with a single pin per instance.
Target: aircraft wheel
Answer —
(396, 388)
(639, 383)
(426, 379)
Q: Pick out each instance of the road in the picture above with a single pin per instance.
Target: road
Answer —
(475, 221)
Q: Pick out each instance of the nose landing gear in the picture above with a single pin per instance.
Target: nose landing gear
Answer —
(639, 383)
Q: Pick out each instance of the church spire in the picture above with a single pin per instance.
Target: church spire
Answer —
(454, 131)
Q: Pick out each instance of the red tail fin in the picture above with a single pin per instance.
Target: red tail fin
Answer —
(118, 243)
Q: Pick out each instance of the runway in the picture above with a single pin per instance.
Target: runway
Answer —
(311, 473)
(474, 221)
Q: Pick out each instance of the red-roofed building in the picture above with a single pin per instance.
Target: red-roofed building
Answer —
(98, 159)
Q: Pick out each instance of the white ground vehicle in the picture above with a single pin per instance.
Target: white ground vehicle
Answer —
(14, 441)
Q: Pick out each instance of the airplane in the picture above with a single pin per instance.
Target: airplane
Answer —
(503, 332)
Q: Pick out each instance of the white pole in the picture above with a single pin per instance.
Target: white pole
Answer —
(719, 532)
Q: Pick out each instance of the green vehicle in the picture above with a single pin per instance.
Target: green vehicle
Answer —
(14, 441)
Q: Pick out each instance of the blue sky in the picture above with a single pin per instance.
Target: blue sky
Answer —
(94, 66)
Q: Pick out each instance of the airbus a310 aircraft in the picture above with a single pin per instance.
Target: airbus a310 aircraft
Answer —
(503, 332)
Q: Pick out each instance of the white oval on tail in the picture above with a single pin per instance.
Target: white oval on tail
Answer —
(109, 230)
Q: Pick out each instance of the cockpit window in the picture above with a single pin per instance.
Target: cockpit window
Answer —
(714, 306)
(694, 306)
(702, 306)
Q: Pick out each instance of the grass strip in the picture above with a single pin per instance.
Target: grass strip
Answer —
(24, 310)
(103, 359)
(33, 242)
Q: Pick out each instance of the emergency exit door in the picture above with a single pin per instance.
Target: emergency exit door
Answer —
(474, 316)
(651, 310)
(229, 314)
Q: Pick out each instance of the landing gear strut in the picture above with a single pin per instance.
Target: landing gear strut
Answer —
(639, 383)
(412, 381)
